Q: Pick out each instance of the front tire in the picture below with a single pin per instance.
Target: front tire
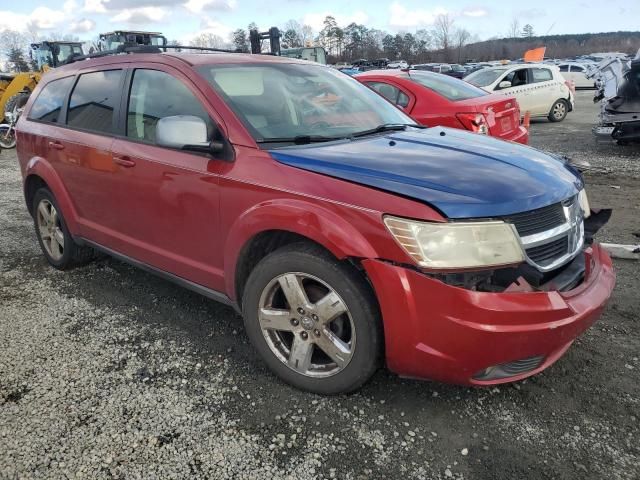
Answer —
(7, 137)
(57, 244)
(314, 320)
(558, 111)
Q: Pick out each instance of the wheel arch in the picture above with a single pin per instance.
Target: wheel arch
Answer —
(39, 173)
(272, 225)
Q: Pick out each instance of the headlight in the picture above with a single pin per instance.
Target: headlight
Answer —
(584, 203)
(457, 245)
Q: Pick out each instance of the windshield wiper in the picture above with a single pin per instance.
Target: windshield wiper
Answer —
(386, 127)
(299, 139)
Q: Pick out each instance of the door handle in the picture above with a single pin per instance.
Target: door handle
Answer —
(124, 161)
(56, 145)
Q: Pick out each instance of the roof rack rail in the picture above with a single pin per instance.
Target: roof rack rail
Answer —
(116, 51)
(204, 49)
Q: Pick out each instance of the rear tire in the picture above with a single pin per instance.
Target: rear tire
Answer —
(315, 321)
(57, 244)
(558, 111)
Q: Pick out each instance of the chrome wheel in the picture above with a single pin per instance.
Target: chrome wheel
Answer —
(307, 325)
(49, 228)
(559, 110)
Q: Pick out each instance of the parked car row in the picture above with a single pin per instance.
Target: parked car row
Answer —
(346, 234)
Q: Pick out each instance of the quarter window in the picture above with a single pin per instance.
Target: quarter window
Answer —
(48, 105)
(155, 95)
(93, 101)
(541, 75)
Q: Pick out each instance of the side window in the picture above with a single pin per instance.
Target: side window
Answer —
(154, 95)
(517, 77)
(403, 100)
(564, 68)
(93, 101)
(577, 68)
(387, 91)
(541, 75)
(391, 93)
(48, 105)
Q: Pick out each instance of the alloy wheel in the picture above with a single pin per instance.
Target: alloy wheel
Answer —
(50, 230)
(307, 325)
(559, 110)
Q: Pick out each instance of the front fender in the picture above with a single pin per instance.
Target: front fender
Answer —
(329, 226)
(41, 168)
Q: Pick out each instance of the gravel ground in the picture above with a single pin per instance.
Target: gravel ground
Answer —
(108, 372)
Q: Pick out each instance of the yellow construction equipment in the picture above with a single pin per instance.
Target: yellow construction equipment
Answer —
(15, 88)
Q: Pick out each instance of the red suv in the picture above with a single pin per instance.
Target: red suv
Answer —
(345, 233)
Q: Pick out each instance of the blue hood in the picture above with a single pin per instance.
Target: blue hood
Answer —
(464, 175)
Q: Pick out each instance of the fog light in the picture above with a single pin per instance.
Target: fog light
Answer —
(509, 369)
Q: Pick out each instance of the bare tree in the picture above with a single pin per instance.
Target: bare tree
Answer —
(442, 33)
(461, 37)
(514, 28)
(306, 35)
(208, 40)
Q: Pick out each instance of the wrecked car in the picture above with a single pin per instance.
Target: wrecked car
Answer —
(618, 91)
(345, 234)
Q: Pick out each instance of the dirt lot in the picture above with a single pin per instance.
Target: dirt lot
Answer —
(108, 372)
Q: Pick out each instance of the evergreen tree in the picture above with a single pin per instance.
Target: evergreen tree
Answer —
(527, 31)
(16, 58)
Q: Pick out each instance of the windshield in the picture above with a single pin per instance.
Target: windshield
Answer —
(485, 77)
(449, 87)
(292, 100)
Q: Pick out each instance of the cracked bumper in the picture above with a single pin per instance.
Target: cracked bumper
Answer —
(449, 334)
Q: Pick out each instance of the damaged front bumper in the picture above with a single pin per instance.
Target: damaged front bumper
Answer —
(447, 333)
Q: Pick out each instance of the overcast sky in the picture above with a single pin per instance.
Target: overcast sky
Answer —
(183, 19)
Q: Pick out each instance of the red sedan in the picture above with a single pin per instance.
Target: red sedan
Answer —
(433, 99)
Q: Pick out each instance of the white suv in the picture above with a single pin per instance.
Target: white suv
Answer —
(539, 89)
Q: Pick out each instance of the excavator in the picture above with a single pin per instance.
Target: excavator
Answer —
(15, 88)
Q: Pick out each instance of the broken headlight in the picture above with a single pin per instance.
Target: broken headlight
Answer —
(458, 245)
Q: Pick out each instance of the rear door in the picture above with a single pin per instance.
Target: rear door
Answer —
(543, 90)
(168, 199)
(84, 148)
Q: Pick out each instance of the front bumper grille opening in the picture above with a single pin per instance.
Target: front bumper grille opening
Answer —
(545, 254)
(509, 369)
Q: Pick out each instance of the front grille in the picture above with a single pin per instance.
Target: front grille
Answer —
(545, 254)
(538, 220)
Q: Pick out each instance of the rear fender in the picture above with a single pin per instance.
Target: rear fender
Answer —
(325, 226)
(40, 167)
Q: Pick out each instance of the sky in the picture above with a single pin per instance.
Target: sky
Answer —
(184, 19)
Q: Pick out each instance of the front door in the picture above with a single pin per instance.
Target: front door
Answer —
(169, 199)
(519, 88)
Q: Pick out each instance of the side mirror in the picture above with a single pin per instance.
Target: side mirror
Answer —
(504, 84)
(186, 132)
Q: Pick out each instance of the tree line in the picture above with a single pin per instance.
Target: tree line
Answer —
(443, 42)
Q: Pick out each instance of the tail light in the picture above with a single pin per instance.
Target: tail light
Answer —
(474, 122)
(571, 85)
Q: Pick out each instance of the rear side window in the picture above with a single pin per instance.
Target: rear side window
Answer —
(93, 101)
(564, 68)
(155, 95)
(541, 75)
(48, 105)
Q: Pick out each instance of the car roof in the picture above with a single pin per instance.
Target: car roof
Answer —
(178, 59)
